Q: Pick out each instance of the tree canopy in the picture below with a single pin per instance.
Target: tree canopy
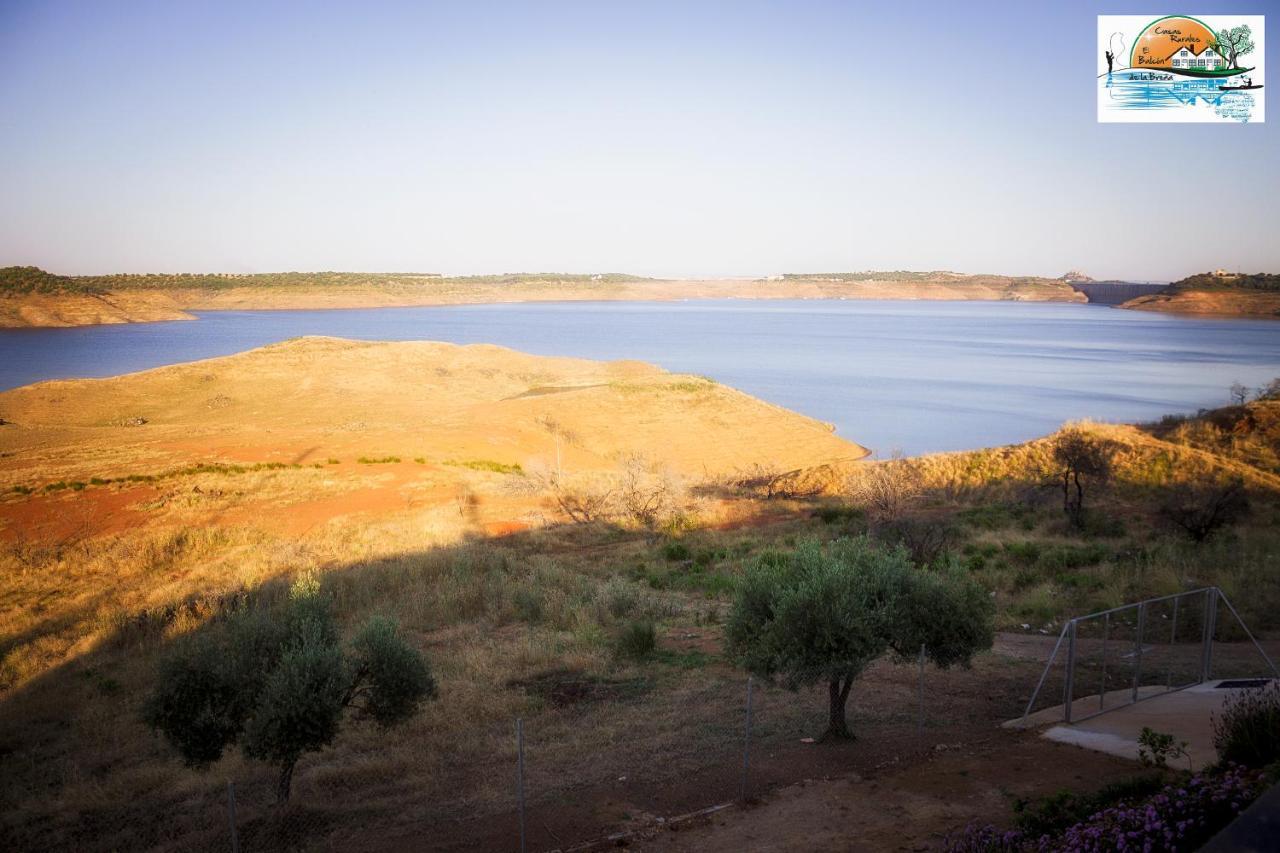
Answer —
(281, 686)
(1235, 42)
(823, 615)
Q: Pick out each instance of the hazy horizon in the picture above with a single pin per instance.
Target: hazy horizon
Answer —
(483, 274)
(708, 140)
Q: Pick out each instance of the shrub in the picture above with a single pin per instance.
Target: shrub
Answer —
(1203, 509)
(647, 496)
(926, 540)
(280, 687)
(1156, 748)
(638, 641)
(1181, 816)
(1058, 812)
(850, 516)
(886, 489)
(675, 551)
(378, 460)
(619, 597)
(1248, 729)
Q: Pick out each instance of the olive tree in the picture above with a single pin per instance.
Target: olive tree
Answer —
(281, 685)
(824, 615)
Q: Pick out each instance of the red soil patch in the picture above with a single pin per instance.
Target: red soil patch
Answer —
(65, 515)
(504, 528)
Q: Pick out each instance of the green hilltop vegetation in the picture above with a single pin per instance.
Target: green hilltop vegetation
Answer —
(872, 275)
(933, 276)
(35, 280)
(1264, 281)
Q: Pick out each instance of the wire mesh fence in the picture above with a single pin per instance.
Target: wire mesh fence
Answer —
(747, 727)
(1138, 651)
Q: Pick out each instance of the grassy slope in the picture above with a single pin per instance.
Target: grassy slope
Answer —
(508, 622)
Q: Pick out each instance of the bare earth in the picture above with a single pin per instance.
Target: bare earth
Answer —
(142, 305)
(1233, 303)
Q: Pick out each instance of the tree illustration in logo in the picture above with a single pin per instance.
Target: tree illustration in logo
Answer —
(1235, 43)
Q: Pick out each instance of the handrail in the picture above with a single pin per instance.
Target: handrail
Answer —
(1213, 593)
(1052, 656)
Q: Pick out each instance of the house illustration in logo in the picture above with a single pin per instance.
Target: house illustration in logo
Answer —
(1189, 47)
(1207, 59)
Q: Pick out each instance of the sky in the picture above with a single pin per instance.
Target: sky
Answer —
(657, 138)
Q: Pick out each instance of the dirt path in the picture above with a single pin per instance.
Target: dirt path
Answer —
(912, 808)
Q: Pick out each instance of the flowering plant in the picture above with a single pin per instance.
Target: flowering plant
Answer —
(1181, 817)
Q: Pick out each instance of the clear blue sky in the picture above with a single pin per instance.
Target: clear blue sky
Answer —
(683, 138)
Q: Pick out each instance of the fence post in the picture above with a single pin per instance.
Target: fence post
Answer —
(1068, 687)
(1106, 630)
(920, 721)
(1249, 634)
(520, 778)
(746, 746)
(1173, 644)
(231, 816)
(1137, 649)
(1210, 617)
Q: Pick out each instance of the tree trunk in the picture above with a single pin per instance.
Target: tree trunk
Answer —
(285, 782)
(1079, 508)
(837, 723)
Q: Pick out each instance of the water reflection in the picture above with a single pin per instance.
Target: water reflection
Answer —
(1136, 90)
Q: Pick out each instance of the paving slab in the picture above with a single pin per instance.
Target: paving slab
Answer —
(1186, 714)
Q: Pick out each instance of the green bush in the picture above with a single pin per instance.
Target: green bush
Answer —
(1052, 814)
(675, 551)
(848, 515)
(638, 641)
(1023, 553)
(1156, 748)
(280, 684)
(1248, 729)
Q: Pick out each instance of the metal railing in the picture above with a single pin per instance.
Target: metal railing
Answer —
(1143, 658)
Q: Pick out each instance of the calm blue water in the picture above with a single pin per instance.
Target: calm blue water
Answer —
(914, 376)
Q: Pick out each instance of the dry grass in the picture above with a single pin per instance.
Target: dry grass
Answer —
(516, 619)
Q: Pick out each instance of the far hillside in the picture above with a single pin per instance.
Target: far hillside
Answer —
(36, 280)
(30, 296)
(1218, 292)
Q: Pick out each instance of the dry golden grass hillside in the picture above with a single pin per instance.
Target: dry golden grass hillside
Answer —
(301, 438)
(517, 516)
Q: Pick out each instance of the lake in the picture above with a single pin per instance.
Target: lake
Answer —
(891, 375)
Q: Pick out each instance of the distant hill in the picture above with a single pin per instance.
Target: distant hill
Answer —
(1219, 292)
(36, 280)
(1219, 281)
(30, 296)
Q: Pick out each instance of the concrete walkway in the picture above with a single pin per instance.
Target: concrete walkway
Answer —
(1186, 714)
